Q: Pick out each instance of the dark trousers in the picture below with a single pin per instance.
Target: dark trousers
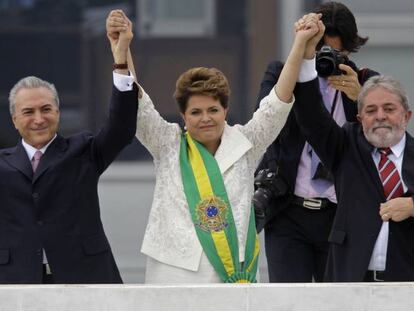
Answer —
(296, 243)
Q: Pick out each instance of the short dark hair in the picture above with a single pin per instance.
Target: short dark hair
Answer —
(201, 81)
(340, 22)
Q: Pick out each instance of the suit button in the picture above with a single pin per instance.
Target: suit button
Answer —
(35, 195)
(40, 223)
(39, 252)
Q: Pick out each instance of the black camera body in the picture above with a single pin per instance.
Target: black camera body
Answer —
(328, 60)
(269, 185)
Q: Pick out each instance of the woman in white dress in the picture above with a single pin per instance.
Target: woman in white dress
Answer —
(201, 226)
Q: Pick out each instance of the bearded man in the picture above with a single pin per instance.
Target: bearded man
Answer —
(372, 236)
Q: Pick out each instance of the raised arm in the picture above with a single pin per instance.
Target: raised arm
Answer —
(116, 23)
(304, 32)
(317, 125)
(149, 121)
(120, 126)
(119, 33)
(274, 109)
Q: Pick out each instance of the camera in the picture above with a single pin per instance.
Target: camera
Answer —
(268, 185)
(328, 60)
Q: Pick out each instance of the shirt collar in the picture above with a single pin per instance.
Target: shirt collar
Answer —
(30, 150)
(398, 148)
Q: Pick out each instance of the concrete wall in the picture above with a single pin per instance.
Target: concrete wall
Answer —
(264, 297)
(125, 193)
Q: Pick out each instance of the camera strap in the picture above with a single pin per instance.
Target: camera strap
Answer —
(212, 215)
(334, 102)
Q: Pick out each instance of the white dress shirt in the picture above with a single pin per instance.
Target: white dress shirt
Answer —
(379, 254)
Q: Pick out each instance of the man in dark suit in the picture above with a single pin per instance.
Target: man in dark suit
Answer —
(50, 226)
(300, 214)
(372, 235)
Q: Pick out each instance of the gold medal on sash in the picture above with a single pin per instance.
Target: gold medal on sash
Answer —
(211, 213)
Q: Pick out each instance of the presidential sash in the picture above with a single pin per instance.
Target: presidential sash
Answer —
(212, 215)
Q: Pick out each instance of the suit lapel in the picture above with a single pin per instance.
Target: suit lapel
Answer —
(366, 155)
(350, 108)
(19, 159)
(232, 147)
(52, 155)
(408, 164)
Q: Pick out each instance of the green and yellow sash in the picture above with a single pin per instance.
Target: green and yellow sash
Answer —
(212, 215)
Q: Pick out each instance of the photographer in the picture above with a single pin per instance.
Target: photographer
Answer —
(295, 199)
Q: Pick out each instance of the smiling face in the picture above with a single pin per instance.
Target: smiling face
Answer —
(204, 119)
(383, 117)
(36, 115)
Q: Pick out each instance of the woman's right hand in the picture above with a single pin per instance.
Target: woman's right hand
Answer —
(119, 33)
(312, 29)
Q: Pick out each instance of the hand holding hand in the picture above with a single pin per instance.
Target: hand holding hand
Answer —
(307, 24)
(119, 33)
(397, 209)
(347, 83)
(305, 28)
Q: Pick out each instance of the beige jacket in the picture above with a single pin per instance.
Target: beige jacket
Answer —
(170, 236)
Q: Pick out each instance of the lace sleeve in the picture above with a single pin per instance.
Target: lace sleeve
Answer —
(267, 122)
(153, 131)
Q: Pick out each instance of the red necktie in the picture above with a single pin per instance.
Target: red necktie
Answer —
(390, 178)
(36, 159)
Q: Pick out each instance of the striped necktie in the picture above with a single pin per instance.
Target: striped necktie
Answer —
(390, 177)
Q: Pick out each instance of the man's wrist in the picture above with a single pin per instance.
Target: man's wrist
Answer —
(309, 54)
(121, 66)
(120, 57)
(310, 51)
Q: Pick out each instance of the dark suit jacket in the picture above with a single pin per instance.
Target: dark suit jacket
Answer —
(359, 191)
(286, 150)
(57, 208)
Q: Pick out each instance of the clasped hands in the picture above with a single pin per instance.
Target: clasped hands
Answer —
(119, 33)
(347, 82)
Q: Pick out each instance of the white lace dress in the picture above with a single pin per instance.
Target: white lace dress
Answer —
(170, 242)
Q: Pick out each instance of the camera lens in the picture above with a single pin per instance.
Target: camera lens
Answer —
(260, 200)
(325, 66)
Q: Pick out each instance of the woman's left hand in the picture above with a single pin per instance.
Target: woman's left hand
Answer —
(347, 83)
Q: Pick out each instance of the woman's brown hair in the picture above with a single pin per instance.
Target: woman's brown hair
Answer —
(201, 81)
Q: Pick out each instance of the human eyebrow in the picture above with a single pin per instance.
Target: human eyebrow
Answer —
(370, 108)
(390, 106)
(213, 108)
(26, 110)
(47, 106)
